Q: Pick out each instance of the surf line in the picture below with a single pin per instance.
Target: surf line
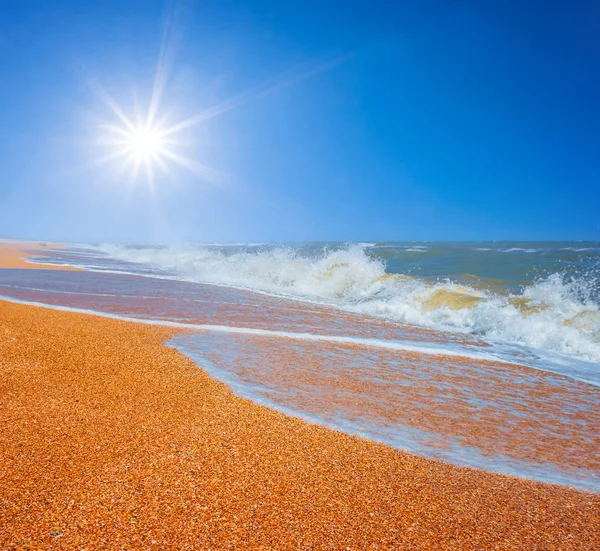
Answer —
(357, 341)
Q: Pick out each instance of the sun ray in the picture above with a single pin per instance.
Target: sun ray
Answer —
(158, 159)
(105, 97)
(252, 94)
(208, 174)
(170, 38)
(110, 157)
(113, 128)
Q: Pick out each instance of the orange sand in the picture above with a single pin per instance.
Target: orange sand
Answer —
(110, 440)
(14, 253)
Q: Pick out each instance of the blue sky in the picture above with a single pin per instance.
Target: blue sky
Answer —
(360, 121)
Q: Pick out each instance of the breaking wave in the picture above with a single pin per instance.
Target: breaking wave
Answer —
(557, 313)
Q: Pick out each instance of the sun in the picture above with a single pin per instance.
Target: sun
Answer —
(148, 143)
(153, 140)
(149, 148)
(144, 144)
(143, 147)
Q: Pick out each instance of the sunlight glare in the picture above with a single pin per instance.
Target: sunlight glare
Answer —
(144, 144)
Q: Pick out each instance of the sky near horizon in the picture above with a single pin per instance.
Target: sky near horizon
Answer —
(364, 120)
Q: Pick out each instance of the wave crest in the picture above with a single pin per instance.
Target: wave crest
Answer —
(554, 314)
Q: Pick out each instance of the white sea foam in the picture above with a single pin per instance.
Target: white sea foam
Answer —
(553, 315)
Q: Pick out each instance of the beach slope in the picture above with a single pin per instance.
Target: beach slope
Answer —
(111, 440)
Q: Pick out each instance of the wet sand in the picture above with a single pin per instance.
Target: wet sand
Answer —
(111, 440)
(13, 254)
(496, 408)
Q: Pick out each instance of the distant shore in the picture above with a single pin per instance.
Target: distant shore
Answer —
(110, 439)
(14, 254)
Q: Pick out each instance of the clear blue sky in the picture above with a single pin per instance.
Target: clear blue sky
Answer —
(423, 120)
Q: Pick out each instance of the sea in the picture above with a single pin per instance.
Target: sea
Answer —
(482, 354)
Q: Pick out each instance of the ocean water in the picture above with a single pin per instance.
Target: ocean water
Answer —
(541, 295)
(482, 354)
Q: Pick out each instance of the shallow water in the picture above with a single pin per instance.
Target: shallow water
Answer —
(466, 396)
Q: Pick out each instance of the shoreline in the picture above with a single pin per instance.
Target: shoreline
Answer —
(571, 477)
(123, 441)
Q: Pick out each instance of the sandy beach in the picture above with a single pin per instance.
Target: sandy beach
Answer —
(111, 440)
